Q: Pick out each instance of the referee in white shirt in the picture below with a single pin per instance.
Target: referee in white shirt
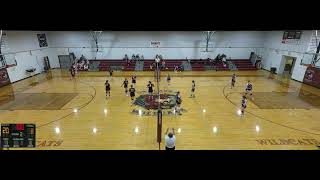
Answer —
(170, 139)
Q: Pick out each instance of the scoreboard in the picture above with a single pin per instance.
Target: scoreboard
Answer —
(18, 135)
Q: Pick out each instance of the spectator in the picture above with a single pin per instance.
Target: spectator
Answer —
(189, 61)
(137, 57)
(170, 140)
(142, 58)
(181, 68)
(126, 57)
(175, 68)
(163, 64)
(133, 57)
(218, 57)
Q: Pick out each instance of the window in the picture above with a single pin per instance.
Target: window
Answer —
(42, 40)
(2, 61)
(292, 35)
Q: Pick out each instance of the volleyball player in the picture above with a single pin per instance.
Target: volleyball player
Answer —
(178, 103)
(233, 80)
(168, 79)
(243, 104)
(132, 92)
(108, 88)
(125, 85)
(193, 88)
(249, 89)
(134, 80)
(150, 89)
(72, 71)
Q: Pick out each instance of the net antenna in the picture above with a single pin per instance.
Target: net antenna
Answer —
(96, 35)
(208, 36)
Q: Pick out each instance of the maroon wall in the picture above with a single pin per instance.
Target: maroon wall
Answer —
(312, 77)
(4, 77)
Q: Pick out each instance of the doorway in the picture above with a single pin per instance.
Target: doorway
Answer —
(65, 61)
(287, 66)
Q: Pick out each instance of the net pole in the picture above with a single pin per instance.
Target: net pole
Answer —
(159, 113)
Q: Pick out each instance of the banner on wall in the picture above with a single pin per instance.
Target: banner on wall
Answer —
(4, 77)
(312, 77)
(155, 44)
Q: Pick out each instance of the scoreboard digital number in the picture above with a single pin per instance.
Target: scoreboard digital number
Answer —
(18, 135)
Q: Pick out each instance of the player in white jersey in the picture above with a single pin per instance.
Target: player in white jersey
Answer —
(249, 89)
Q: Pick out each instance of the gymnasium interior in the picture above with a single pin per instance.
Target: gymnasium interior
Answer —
(44, 107)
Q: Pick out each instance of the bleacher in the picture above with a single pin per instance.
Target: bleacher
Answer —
(198, 65)
(219, 66)
(170, 63)
(146, 64)
(131, 66)
(104, 65)
(244, 65)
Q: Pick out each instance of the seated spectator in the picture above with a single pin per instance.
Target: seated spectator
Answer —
(86, 67)
(175, 68)
(181, 68)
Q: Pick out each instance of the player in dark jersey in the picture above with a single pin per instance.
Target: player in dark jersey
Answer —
(108, 88)
(134, 80)
(243, 104)
(125, 84)
(110, 72)
(249, 89)
(132, 92)
(72, 71)
(168, 79)
(193, 88)
(178, 102)
(233, 80)
(150, 89)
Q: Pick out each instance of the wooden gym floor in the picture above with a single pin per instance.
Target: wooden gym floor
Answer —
(284, 114)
